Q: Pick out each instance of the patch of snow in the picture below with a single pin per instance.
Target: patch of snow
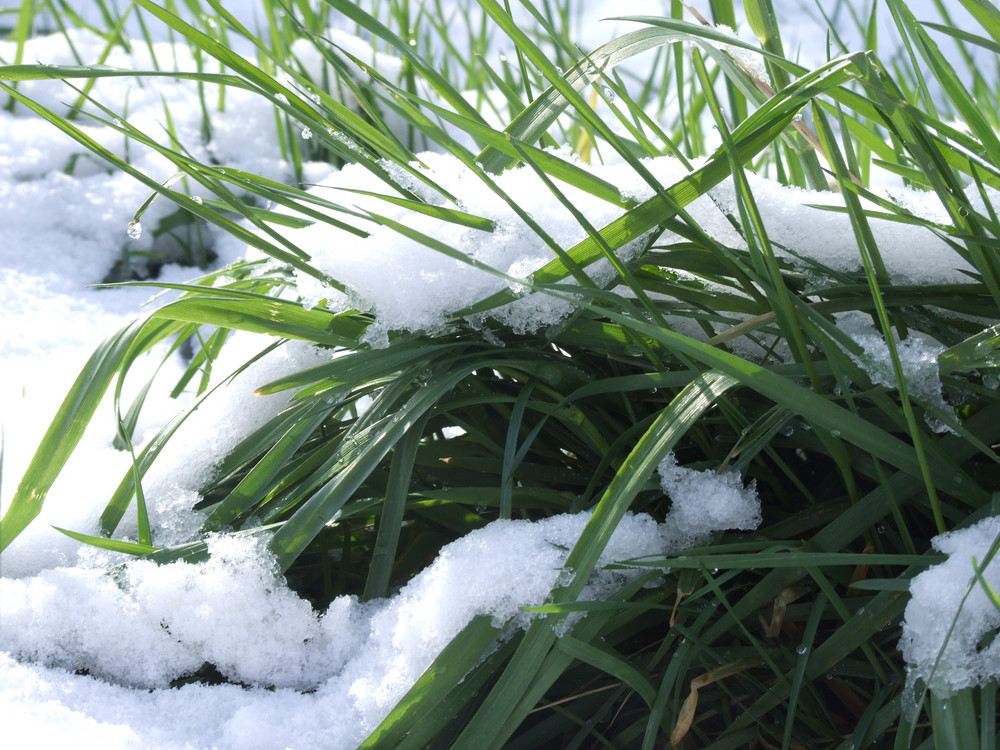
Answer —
(948, 638)
(145, 625)
(918, 355)
(704, 502)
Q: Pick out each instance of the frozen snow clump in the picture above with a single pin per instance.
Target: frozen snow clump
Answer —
(918, 355)
(948, 643)
(703, 502)
(410, 286)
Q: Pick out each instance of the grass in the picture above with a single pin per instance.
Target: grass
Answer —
(785, 637)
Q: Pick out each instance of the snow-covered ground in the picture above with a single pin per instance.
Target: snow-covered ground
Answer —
(61, 230)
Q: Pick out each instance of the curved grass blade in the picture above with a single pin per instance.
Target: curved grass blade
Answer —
(112, 545)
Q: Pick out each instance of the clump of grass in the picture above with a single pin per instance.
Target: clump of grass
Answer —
(785, 637)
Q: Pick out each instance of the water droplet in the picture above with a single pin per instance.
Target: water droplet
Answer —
(829, 676)
(835, 433)
(281, 97)
(797, 118)
(481, 509)
(118, 122)
(134, 230)
(802, 649)
(197, 199)
(503, 57)
(653, 389)
(307, 133)
(413, 42)
(880, 528)
(314, 96)
(609, 94)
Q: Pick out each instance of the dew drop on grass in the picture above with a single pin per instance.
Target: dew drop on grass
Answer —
(797, 118)
(134, 230)
(609, 94)
(801, 649)
(307, 133)
(197, 199)
(117, 122)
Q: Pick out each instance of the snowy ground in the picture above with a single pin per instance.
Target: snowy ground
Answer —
(64, 231)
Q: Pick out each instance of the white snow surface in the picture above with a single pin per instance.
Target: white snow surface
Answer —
(136, 631)
(410, 286)
(947, 635)
(148, 624)
(702, 501)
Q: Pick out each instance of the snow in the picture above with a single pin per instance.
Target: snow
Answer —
(918, 356)
(409, 286)
(705, 501)
(234, 612)
(136, 630)
(950, 620)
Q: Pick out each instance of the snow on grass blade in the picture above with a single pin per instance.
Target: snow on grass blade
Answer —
(751, 137)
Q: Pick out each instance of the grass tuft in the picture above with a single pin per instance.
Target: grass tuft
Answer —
(725, 352)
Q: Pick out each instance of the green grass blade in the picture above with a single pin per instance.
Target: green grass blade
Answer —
(66, 429)
(112, 545)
